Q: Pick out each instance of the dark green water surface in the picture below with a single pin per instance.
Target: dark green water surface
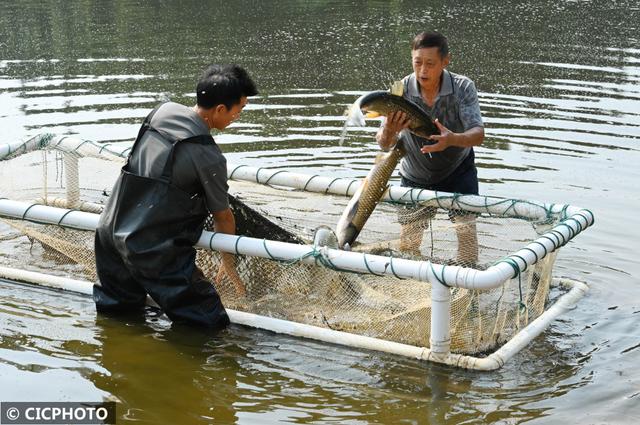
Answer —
(559, 86)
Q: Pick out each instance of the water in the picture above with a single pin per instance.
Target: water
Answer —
(559, 90)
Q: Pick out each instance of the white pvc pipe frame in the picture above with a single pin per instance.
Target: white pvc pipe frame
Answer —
(494, 361)
(441, 277)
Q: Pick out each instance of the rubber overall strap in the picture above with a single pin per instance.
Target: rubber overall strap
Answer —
(146, 124)
(202, 139)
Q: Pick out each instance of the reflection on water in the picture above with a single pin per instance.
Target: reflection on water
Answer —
(164, 374)
(559, 86)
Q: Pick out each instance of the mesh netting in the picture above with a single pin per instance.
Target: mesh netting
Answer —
(383, 307)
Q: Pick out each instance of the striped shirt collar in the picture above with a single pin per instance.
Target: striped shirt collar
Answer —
(446, 87)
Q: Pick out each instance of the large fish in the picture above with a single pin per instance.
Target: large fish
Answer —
(372, 188)
(384, 103)
(367, 196)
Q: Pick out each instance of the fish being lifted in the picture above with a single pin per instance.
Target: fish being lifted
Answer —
(375, 184)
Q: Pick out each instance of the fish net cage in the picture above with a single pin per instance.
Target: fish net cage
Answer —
(450, 238)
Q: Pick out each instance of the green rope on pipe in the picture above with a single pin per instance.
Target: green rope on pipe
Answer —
(418, 195)
(309, 181)
(103, 147)
(213, 235)
(236, 169)
(533, 252)
(273, 175)
(349, 187)
(258, 175)
(521, 304)
(317, 254)
(457, 201)
(84, 142)
(27, 210)
(326, 262)
(438, 198)
(391, 196)
(521, 259)
(236, 245)
(408, 191)
(512, 263)
(593, 217)
(44, 141)
(441, 278)
(511, 207)
(556, 243)
(61, 140)
(329, 185)
(555, 246)
(518, 273)
(64, 215)
(543, 247)
(264, 244)
(572, 232)
(559, 235)
(575, 220)
(366, 264)
(392, 269)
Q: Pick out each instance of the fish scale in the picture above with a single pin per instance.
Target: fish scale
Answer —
(367, 196)
(372, 188)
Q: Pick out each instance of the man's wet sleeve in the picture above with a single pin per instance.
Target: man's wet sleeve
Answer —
(214, 183)
(470, 108)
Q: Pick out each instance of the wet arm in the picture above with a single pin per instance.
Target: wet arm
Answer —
(387, 135)
(224, 222)
(472, 137)
(471, 119)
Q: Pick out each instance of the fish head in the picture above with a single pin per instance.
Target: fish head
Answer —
(369, 103)
(346, 232)
(346, 229)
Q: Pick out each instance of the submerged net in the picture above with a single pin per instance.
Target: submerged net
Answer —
(383, 307)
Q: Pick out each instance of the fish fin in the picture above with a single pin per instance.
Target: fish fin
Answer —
(379, 157)
(397, 88)
(352, 211)
(372, 114)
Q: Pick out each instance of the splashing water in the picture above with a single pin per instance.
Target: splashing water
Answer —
(355, 118)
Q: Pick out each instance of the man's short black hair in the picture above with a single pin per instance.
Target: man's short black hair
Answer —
(224, 85)
(431, 39)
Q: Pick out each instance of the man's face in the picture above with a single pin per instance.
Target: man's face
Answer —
(226, 116)
(428, 66)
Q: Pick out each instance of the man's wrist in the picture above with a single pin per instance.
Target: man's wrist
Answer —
(389, 139)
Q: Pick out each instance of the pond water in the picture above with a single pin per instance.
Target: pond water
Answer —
(559, 87)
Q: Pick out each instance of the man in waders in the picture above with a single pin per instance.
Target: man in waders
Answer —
(175, 177)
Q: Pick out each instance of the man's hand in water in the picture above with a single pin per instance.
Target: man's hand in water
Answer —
(228, 270)
(224, 222)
